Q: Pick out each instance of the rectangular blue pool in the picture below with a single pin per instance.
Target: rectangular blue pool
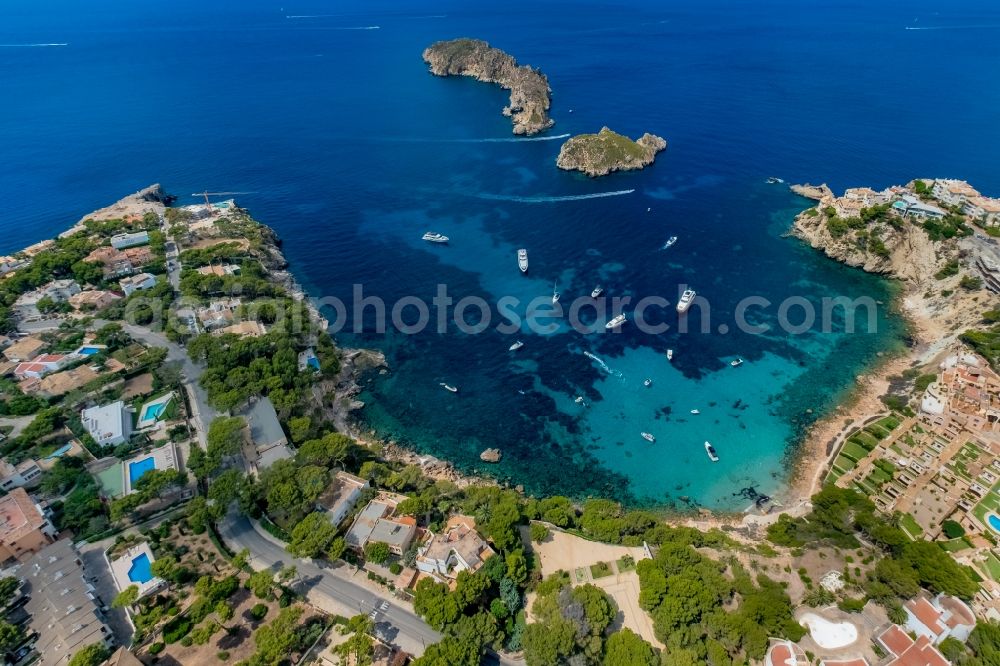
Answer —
(140, 571)
(139, 467)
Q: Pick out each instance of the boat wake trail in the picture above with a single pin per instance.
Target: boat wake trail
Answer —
(600, 362)
(511, 139)
(28, 46)
(544, 199)
(991, 26)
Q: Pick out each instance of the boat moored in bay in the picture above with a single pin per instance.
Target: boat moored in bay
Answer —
(615, 322)
(517, 345)
(435, 237)
(598, 290)
(522, 260)
(710, 450)
(686, 298)
(647, 436)
(449, 387)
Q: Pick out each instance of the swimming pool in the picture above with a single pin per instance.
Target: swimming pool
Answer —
(994, 521)
(153, 411)
(140, 571)
(58, 453)
(139, 467)
(87, 351)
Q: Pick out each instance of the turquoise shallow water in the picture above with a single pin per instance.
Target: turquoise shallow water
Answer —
(344, 144)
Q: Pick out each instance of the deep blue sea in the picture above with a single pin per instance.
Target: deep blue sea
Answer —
(324, 115)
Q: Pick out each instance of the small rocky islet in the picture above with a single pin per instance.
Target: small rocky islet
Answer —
(529, 88)
(607, 151)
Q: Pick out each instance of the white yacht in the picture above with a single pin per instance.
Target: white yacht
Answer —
(670, 354)
(772, 180)
(598, 290)
(435, 238)
(736, 363)
(670, 242)
(710, 450)
(522, 260)
(696, 411)
(685, 302)
(517, 345)
(555, 293)
(449, 387)
(616, 322)
(647, 436)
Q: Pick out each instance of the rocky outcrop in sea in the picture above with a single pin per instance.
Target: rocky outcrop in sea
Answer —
(607, 151)
(529, 89)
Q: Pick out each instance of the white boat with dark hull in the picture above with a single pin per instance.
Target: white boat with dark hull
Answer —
(686, 298)
(669, 243)
(449, 387)
(517, 345)
(615, 322)
(647, 436)
(710, 450)
(522, 260)
(435, 237)
(598, 290)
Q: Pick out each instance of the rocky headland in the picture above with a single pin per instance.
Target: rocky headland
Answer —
(529, 89)
(600, 154)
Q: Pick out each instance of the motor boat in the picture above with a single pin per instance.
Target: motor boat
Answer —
(670, 242)
(449, 387)
(686, 299)
(555, 294)
(736, 363)
(696, 411)
(517, 345)
(598, 290)
(522, 260)
(435, 237)
(710, 450)
(670, 354)
(616, 322)
(647, 436)
(647, 383)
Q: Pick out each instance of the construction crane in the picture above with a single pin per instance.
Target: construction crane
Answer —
(208, 194)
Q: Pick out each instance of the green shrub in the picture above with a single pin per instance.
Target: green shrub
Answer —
(258, 612)
(952, 529)
(176, 629)
(396, 568)
(222, 655)
(156, 648)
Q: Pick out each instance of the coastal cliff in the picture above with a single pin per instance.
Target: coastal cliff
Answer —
(600, 154)
(529, 89)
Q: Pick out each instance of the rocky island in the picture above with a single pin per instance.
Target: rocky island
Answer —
(600, 154)
(529, 89)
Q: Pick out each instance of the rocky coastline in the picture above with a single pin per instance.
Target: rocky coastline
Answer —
(529, 88)
(607, 151)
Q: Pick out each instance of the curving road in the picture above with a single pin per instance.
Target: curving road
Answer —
(333, 586)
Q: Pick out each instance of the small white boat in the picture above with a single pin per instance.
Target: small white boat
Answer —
(647, 436)
(579, 400)
(522, 260)
(435, 237)
(686, 299)
(449, 387)
(615, 322)
(647, 383)
(555, 294)
(736, 363)
(598, 290)
(517, 345)
(648, 209)
(670, 242)
(771, 180)
(710, 450)
(696, 411)
(670, 354)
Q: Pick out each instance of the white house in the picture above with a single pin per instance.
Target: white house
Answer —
(135, 283)
(109, 425)
(57, 291)
(953, 192)
(911, 205)
(343, 496)
(458, 548)
(939, 618)
(23, 474)
(40, 366)
(122, 241)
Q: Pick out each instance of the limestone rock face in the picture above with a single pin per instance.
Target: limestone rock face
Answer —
(529, 89)
(600, 154)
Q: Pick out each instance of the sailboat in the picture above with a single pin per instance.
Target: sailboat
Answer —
(555, 294)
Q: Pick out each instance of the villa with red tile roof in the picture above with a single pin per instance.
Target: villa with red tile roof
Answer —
(907, 652)
(785, 653)
(939, 618)
(40, 366)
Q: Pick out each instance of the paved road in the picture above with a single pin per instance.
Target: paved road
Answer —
(396, 623)
(202, 413)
